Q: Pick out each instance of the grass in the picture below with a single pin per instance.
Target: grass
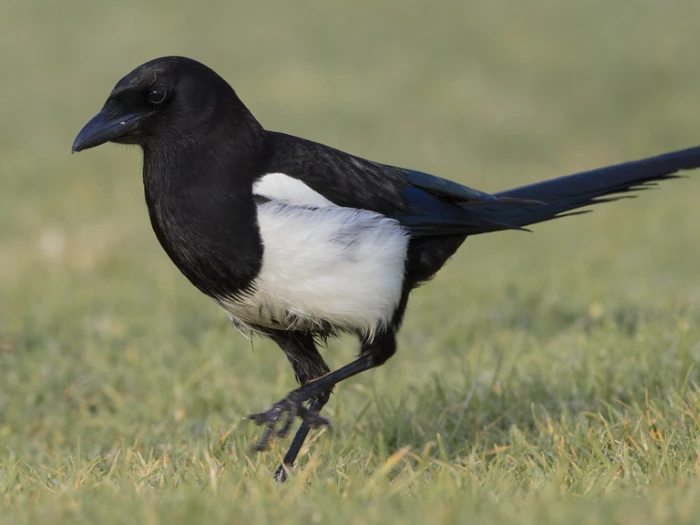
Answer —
(541, 378)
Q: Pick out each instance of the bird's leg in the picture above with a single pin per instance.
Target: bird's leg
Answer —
(292, 404)
(307, 363)
(315, 405)
(373, 354)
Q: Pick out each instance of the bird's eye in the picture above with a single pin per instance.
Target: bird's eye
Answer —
(157, 96)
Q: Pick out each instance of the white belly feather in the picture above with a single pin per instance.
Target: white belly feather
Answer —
(323, 265)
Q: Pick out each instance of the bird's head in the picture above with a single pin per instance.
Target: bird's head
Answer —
(165, 100)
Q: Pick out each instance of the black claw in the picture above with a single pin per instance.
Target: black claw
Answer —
(282, 432)
(320, 421)
(264, 441)
(281, 474)
(258, 419)
(292, 409)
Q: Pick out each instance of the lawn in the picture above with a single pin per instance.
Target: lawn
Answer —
(548, 377)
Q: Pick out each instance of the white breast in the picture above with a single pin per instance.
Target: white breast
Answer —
(323, 265)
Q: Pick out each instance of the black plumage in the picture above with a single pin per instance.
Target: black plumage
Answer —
(273, 226)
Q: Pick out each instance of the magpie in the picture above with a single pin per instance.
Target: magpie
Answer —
(300, 242)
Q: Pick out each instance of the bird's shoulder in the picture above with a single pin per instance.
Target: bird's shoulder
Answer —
(304, 172)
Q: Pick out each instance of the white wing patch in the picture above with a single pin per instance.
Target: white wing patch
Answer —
(281, 187)
(326, 265)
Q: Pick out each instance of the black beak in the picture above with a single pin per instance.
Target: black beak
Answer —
(103, 127)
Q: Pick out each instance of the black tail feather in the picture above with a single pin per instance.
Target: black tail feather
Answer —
(557, 197)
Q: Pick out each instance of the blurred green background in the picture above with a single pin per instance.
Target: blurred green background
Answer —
(545, 377)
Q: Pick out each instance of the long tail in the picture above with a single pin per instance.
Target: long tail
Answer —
(558, 197)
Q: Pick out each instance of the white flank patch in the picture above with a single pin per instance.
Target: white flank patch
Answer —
(281, 187)
(334, 265)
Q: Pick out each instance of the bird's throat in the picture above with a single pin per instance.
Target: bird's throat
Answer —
(204, 216)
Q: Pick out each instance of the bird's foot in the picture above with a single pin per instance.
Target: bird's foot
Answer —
(293, 407)
(281, 474)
